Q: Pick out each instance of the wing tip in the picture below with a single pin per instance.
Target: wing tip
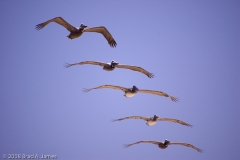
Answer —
(126, 145)
(67, 65)
(200, 150)
(151, 75)
(113, 120)
(189, 125)
(39, 27)
(112, 43)
(174, 99)
(85, 90)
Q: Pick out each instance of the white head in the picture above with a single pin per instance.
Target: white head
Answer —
(166, 142)
(114, 63)
(82, 26)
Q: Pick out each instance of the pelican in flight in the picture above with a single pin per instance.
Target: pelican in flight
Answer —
(153, 120)
(130, 92)
(164, 145)
(111, 66)
(77, 32)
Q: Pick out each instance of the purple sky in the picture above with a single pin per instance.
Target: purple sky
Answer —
(192, 47)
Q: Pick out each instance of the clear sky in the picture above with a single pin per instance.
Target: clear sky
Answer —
(192, 47)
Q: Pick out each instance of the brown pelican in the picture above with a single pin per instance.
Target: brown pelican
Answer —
(164, 145)
(153, 120)
(77, 32)
(130, 92)
(111, 66)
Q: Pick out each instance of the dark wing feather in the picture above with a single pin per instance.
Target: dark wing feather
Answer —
(135, 68)
(144, 141)
(60, 21)
(159, 93)
(132, 117)
(187, 145)
(85, 62)
(175, 121)
(104, 32)
(108, 86)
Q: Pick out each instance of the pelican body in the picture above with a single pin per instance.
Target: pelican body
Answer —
(152, 120)
(165, 144)
(130, 93)
(77, 33)
(110, 66)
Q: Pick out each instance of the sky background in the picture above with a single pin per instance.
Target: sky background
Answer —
(192, 47)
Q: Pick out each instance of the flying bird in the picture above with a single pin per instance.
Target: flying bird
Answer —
(153, 120)
(164, 145)
(130, 92)
(77, 32)
(111, 66)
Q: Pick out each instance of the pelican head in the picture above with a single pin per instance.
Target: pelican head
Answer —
(166, 142)
(82, 26)
(114, 63)
(135, 89)
(155, 117)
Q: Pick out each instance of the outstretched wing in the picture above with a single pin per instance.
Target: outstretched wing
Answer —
(60, 21)
(135, 68)
(159, 93)
(132, 117)
(85, 62)
(175, 121)
(187, 145)
(144, 141)
(104, 32)
(107, 86)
